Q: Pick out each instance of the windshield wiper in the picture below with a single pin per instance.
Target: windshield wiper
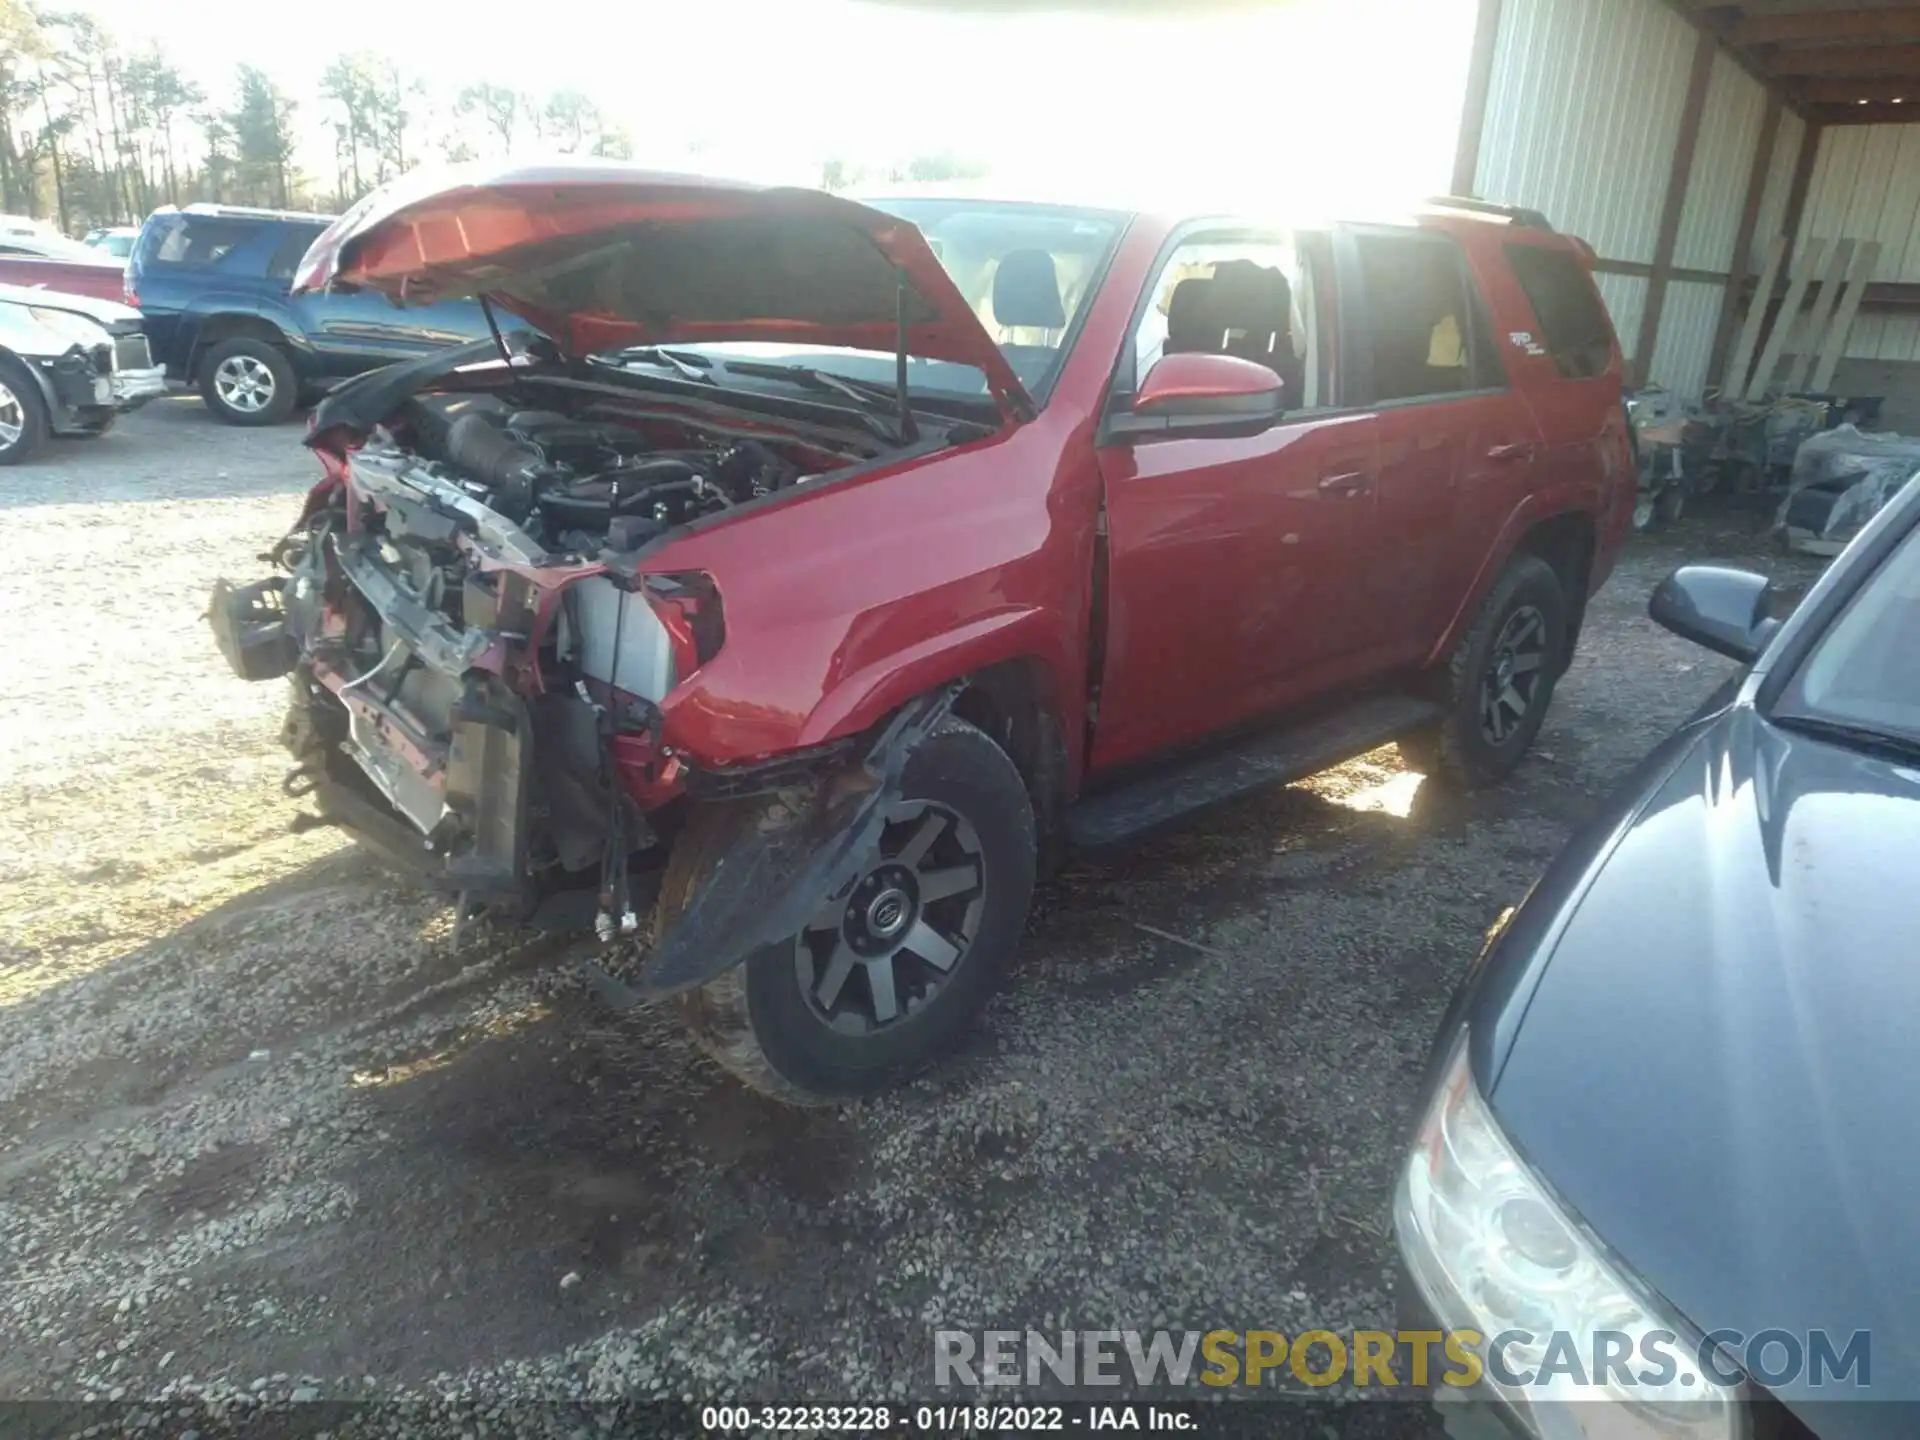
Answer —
(687, 365)
(875, 401)
(1890, 743)
(898, 402)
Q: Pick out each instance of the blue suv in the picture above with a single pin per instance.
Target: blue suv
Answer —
(212, 282)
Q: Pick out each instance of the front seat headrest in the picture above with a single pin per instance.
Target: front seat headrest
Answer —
(1193, 318)
(1257, 296)
(1026, 291)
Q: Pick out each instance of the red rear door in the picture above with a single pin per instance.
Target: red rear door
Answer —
(1457, 443)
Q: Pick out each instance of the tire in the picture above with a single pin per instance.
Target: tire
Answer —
(24, 421)
(1672, 504)
(1524, 618)
(767, 1024)
(248, 382)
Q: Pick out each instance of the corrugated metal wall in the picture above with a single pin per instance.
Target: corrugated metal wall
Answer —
(1722, 159)
(1626, 297)
(1583, 117)
(1773, 203)
(1583, 114)
(1866, 186)
(1730, 122)
(1687, 324)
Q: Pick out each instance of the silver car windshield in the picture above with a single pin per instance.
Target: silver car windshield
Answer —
(1865, 672)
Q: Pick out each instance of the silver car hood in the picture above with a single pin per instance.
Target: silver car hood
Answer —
(104, 312)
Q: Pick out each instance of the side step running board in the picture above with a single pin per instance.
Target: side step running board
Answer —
(1271, 757)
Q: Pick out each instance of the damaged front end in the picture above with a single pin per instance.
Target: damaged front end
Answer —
(479, 614)
(477, 661)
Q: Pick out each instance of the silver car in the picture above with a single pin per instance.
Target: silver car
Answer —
(69, 365)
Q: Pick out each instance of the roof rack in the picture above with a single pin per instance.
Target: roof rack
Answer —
(1512, 214)
(251, 212)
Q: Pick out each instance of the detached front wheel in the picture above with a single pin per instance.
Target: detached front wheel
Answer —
(893, 968)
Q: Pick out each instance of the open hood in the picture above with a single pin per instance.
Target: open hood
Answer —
(601, 256)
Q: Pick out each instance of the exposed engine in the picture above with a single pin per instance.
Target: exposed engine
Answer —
(580, 484)
(474, 651)
(460, 560)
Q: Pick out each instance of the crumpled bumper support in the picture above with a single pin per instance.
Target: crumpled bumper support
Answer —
(250, 627)
(811, 842)
(131, 389)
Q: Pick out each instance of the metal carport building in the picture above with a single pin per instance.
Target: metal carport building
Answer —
(1683, 139)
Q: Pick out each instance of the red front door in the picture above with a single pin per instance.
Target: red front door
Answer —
(1232, 588)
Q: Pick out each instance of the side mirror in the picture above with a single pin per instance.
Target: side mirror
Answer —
(1725, 610)
(1205, 395)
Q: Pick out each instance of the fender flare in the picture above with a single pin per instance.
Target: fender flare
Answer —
(1534, 510)
(865, 697)
(210, 308)
(806, 843)
(55, 409)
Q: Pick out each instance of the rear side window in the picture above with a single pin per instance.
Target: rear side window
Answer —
(1425, 327)
(196, 240)
(1573, 326)
(293, 244)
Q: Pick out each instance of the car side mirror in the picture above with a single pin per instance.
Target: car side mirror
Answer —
(1205, 395)
(1723, 609)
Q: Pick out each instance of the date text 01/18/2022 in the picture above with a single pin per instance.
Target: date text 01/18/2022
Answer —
(942, 1419)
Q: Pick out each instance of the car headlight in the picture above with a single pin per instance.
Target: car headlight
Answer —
(76, 329)
(1492, 1250)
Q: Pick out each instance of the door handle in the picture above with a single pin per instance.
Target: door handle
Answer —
(1347, 482)
(1511, 452)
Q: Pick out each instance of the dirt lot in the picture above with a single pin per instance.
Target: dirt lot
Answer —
(263, 1130)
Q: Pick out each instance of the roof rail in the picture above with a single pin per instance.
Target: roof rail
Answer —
(251, 212)
(1512, 214)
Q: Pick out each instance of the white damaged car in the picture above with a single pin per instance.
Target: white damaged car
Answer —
(69, 365)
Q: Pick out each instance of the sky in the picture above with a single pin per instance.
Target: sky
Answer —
(1303, 105)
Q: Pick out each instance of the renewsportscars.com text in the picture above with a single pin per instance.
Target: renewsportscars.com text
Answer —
(1388, 1358)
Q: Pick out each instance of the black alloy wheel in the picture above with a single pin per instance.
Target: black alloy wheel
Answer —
(892, 969)
(1514, 673)
(1496, 686)
(880, 953)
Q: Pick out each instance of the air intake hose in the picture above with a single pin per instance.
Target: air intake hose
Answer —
(512, 471)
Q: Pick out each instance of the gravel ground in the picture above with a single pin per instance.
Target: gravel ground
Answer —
(265, 1133)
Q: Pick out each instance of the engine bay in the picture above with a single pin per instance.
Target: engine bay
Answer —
(580, 484)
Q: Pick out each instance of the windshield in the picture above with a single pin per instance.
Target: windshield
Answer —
(1865, 672)
(1024, 270)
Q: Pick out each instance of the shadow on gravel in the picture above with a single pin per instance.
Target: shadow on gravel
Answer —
(542, 1186)
(235, 935)
(1251, 856)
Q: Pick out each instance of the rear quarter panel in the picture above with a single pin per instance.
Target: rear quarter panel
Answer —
(1585, 461)
(237, 295)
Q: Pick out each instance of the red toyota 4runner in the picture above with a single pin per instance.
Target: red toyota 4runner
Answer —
(825, 570)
